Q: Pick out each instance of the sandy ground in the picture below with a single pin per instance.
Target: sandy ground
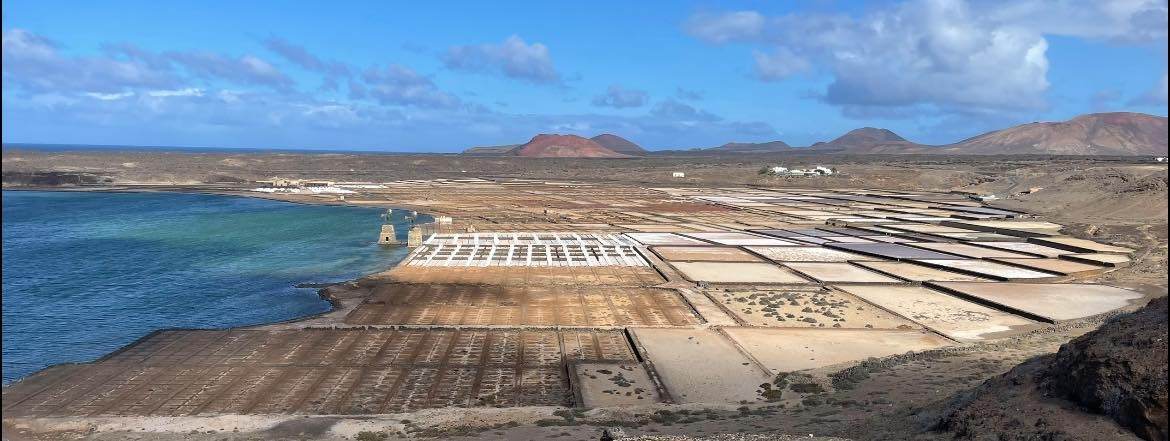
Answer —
(737, 272)
(700, 366)
(614, 384)
(1119, 202)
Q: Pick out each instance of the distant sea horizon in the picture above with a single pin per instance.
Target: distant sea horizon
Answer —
(86, 273)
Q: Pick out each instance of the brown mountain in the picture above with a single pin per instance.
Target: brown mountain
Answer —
(618, 144)
(564, 146)
(753, 147)
(868, 140)
(1119, 133)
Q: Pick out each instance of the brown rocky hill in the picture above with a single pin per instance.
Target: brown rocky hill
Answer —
(1107, 384)
(753, 147)
(1119, 133)
(564, 146)
(869, 140)
(618, 144)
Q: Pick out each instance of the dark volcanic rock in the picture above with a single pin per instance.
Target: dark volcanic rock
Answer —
(1119, 370)
(53, 179)
(1107, 384)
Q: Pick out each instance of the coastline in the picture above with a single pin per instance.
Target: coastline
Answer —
(325, 290)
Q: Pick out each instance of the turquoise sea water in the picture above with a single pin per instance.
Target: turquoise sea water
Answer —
(86, 273)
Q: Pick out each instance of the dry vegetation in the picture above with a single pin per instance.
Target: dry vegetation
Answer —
(927, 395)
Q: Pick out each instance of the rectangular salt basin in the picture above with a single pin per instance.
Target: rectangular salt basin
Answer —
(806, 254)
(951, 316)
(1025, 248)
(805, 240)
(965, 250)
(736, 272)
(803, 307)
(1112, 260)
(926, 228)
(794, 349)
(737, 238)
(835, 272)
(846, 239)
(1059, 266)
(1047, 301)
(988, 269)
(778, 233)
(1079, 245)
(892, 251)
(705, 254)
(655, 228)
(979, 236)
(606, 384)
(700, 365)
(1011, 228)
(913, 272)
(664, 239)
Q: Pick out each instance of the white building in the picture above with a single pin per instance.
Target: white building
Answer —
(785, 171)
(678, 175)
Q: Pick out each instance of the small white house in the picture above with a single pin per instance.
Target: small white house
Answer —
(823, 170)
(678, 175)
(779, 170)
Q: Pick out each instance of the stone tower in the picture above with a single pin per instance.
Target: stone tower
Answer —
(388, 236)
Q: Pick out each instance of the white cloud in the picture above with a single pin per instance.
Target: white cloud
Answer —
(676, 111)
(1119, 20)
(725, 27)
(190, 91)
(918, 55)
(513, 58)
(109, 96)
(247, 69)
(34, 64)
(403, 86)
(620, 98)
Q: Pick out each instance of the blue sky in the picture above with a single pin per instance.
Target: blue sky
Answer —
(412, 77)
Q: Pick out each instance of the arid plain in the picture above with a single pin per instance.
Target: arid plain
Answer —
(567, 296)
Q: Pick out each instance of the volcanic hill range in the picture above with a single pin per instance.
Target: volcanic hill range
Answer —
(1105, 134)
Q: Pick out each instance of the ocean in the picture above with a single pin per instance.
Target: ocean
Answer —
(87, 273)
